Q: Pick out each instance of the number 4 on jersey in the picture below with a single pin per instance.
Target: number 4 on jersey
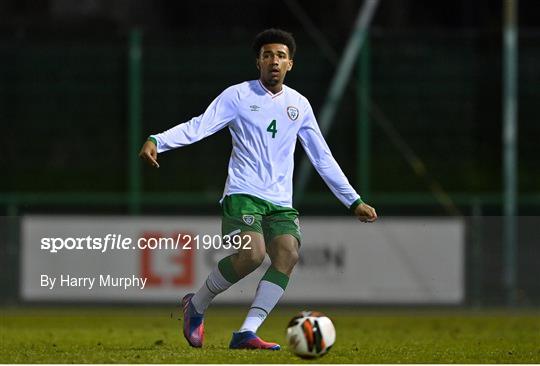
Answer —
(272, 128)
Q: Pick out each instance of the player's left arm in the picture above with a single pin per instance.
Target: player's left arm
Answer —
(365, 213)
(319, 154)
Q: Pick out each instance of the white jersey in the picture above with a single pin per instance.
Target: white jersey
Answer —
(264, 128)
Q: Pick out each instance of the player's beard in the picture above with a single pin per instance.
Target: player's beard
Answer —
(275, 80)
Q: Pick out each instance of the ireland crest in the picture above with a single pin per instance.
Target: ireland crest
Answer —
(248, 219)
(293, 113)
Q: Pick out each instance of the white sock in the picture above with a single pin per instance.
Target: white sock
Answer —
(215, 284)
(266, 297)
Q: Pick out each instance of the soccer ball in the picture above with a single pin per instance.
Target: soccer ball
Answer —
(310, 334)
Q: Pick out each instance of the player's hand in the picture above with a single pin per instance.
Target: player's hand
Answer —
(365, 213)
(149, 153)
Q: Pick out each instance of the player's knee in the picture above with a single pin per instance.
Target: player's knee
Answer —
(293, 257)
(288, 256)
(253, 257)
(257, 257)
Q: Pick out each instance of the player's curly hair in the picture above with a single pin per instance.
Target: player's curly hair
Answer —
(274, 35)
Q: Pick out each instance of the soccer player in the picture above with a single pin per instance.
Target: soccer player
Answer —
(265, 118)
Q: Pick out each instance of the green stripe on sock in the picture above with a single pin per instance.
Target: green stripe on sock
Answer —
(277, 277)
(227, 271)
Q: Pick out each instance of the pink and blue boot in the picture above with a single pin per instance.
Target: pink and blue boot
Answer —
(193, 323)
(249, 340)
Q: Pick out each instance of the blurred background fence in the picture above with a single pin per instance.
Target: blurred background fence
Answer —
(65, 107)
(76, 103)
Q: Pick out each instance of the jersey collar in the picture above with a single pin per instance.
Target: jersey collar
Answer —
(269, 92)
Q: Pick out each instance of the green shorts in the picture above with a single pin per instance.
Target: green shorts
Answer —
(242, 212)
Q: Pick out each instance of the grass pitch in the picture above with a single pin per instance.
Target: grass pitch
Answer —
(148, 335)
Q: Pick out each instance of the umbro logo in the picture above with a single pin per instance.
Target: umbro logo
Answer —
(254, 108)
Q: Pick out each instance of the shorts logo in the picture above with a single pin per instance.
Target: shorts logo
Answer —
(293, 113)
(248, 219)
(297, 222)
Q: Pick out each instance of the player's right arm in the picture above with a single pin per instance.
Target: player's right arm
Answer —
(219, 113)
(149, 152)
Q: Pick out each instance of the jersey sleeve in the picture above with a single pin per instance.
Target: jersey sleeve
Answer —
(219, 113)
(319, 154)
